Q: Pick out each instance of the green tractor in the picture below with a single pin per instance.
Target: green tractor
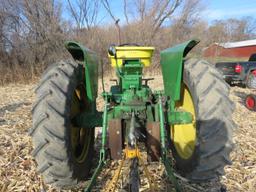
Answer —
(188, 123)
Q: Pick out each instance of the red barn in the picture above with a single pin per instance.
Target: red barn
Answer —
(231, 49)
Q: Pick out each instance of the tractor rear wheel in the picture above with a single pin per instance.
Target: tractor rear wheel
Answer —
(201, 149)
(62, 151)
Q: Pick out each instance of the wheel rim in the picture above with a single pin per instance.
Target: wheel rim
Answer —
(250, 102)
(184, 136)
(80, 137)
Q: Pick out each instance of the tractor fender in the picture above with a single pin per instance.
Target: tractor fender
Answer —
(90, 61)
(172, 60)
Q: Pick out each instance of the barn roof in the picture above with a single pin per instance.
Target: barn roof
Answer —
(238, 44)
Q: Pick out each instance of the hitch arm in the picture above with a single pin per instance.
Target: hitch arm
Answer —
(102, 160)
(164, 152)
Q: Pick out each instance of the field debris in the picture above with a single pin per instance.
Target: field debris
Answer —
(18, 169)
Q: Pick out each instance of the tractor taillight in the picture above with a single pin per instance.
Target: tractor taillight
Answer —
(238, 68)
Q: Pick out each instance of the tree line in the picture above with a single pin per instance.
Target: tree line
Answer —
(33, 32)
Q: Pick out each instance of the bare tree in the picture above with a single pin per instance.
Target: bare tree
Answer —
(32, 32)
(150, 15)
(250, 26)
(162, 10)
(84, 12)
(185, 24)
(126, 11)
(116, 20)
(231, 30)
(44, 31)
(8, 22)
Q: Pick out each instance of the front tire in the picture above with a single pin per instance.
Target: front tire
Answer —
(201, 149)
(62, 151)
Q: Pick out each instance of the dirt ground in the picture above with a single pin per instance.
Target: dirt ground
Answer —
(18, 169)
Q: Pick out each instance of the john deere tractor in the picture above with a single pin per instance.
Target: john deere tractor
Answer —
(187, 126)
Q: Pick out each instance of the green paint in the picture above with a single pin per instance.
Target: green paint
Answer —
(150, 116)
(172, 67)
(170, 173)
(104, 129)
(131, 74)
(102, 160)
(179, 117)
(164, 150)
(162, 121)
(90, 62)
(130, 96)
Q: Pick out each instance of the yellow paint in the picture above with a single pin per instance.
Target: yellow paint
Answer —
(129, 52)
(184, 136)
(131, 153)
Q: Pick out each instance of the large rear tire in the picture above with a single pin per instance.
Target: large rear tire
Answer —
(62, 151)
(201, 149)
